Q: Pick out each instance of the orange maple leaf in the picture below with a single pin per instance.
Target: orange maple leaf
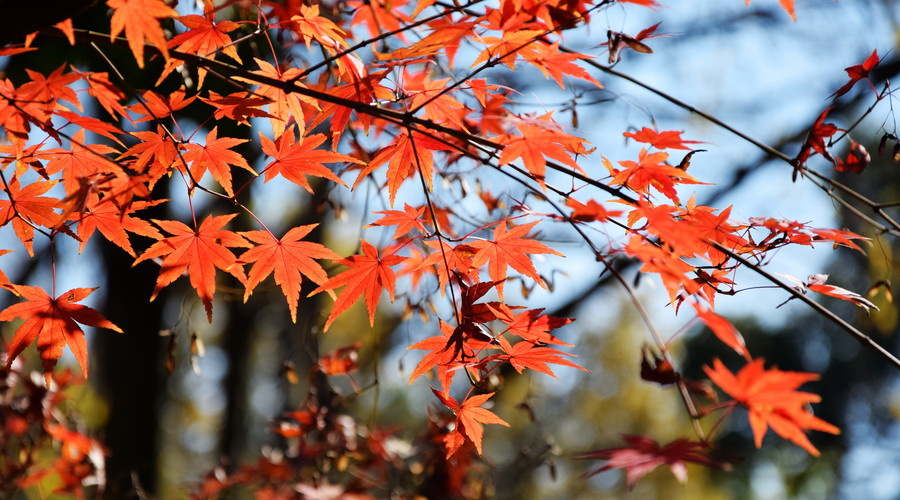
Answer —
(771, 399)
(139, 19)
(469, 419)
(724, 330)
(405, 220)
(216, 155)
(667, 139)
(25, 207)
(510, 249)
(112, 222)
(650, 170)
(204, 37)
(405, 157)
(295, 159)
(524, 354)
(198, 252)
(80, 160)
(368, 274)
(537, 141)
(289, 258)
(54, 324)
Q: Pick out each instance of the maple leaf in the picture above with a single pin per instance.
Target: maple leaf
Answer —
(405, 220)
(198, 252)
(283, 106)
(368, 274)
(112, 222)
(724, 330)
(155, 149)
(108, 95)
(772, 400)
(312, 26)
(445, 360)
(154, 106)
(857, 159)
(238, 106)
(54, 324)
(139, 19)
(341, 361)
(642, 455)
(216, 155)
(31, 208)
(96, 126)
(650, 170)
(667, 139)
(49, 89)
(554, 63)
(589, 212)
(295, 159)
(670, 268)
(525, 354)
(204, 37)
(815, 141)
(469, 419)
(535, 143)
(510, 249)
(451, 259)
(289, 258)
(80, 160)
(405, 157)
(379, 16)
(530, 324)
(432, 96)
(857, 73)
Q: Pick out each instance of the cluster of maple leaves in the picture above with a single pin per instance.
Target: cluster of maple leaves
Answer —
(420, 123)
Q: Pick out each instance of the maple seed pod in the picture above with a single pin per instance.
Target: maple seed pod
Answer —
(882, 144)
(896, 157)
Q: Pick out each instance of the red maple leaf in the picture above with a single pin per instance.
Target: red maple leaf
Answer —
(216, 156)
(289, 258)
(667, 139)
(773, 401)
(469, 419)
(510, 249)
(139, 19)
(815, 141)
(54, 324)
(295, 159)
(641, 455)
(857, 73)
(198, 252)
(369, 274)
